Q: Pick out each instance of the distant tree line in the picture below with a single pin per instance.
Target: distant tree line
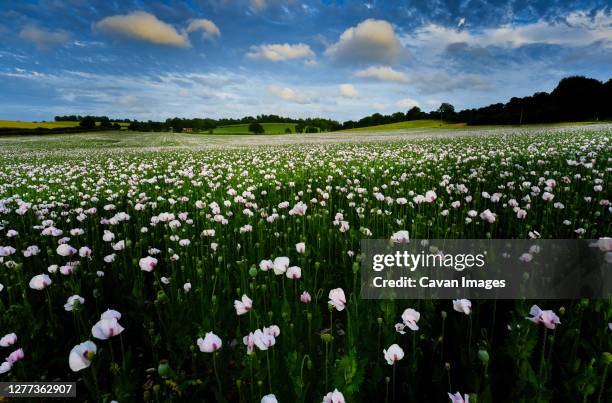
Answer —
(176, 124)
(78, 118)
(574, 99)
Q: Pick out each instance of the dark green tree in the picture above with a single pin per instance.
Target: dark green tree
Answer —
(88, 122)
(256, 128)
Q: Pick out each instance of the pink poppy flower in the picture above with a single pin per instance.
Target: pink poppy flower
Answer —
(547, 318)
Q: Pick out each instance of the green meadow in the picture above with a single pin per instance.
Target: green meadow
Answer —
(270, 128)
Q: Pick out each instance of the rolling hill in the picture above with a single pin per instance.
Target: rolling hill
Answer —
(270, 128)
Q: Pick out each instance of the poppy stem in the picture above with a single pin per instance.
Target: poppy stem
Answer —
(387, 390)
(469, 336)
(216, 373)
(326, 355)
(543, 352)
(393, 381)
(603, 383)
(269, 372)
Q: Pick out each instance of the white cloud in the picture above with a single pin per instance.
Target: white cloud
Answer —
(575, 29)
(42, 38)
(209, 28)
(407, 103)
(370, 41)
(348, 91)
(290, 95)
(382, 73)
(258, 5)
(277, 52)
(143, 26)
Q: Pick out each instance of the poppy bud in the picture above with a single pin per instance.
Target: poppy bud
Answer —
(562, 310)
(387, 379)
(607, 358)
(447, 366)
(483, 355)
(238, 383)
(253, 271)
(443, 314)
(114, 368)
(355, 268)
(327, 338)
(163, 369)
(379, 321)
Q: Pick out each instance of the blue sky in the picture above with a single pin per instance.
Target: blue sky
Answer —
(337, 59)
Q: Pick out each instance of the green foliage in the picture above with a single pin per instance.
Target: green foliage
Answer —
(256, 128)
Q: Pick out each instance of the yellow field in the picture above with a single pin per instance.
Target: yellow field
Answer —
(15, 124)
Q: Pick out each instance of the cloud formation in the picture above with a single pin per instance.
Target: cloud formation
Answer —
(575, 29)
(407, 103)
(277, 52)
(42, 38)
(209, 29)
(289, 95)
(371, 41)
(143, 26)
(348, 91)
(382, 73)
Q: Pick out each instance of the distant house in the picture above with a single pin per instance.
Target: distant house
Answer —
(187, 129)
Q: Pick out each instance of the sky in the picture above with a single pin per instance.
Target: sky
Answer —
(335, 59)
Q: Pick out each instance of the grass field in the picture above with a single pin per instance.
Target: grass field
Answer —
(16, 124)
(435, 124)
(412, 124)
(270, 128)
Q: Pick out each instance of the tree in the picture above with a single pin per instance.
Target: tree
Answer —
(446, 110)
(256, 128)
(311, 129)
(88, 122)
(414, 113)
(105, 122)
(287, 131)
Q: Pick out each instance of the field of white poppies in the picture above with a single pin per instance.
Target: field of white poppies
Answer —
(174, 271)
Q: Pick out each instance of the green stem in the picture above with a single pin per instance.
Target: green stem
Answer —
(269, 372)
(603, 383)
(217, 373)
